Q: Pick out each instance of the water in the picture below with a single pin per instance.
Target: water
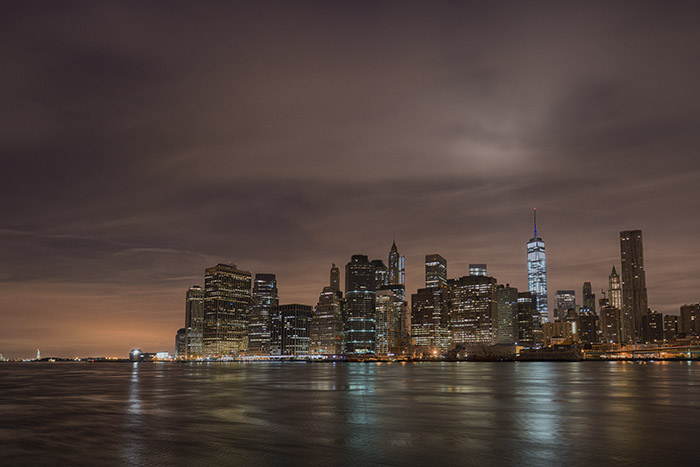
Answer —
(316, 414)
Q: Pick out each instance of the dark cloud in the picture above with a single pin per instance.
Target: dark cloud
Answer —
(143, 143)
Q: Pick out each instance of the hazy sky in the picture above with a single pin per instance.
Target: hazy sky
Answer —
(144, 141)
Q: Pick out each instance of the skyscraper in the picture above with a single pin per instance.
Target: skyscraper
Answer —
(474, 310)
(588, 297)
(614, 290)
(360, 306)
(381, 274)
(335, 277)
(264, 299)
(477, 269)
(397, 267)
(634, 288)
(327, 322)
(388, 310)
(290, 330)
(507, 314)
(194, 320)
(435, 271)
(537, 273)
(226, 310)
(565, 301)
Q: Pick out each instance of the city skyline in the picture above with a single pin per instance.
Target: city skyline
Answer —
(286, 139)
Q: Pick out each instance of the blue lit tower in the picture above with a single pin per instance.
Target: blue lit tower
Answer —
(537, 273)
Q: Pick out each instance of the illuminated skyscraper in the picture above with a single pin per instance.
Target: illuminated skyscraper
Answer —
(397, 267)
(360, 306)
(381, 274)
(194, 320)
(634, 288)
(507, 314)
(435, 271)
(614, 290)
(226, 310)
(264, 299)
(477, 269)
(474, 310)
(537, 273)
(388, 310)
(327, 321)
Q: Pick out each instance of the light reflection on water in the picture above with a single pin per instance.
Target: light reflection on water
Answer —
(350, 414)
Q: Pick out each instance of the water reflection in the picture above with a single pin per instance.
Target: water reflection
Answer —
(350, 414)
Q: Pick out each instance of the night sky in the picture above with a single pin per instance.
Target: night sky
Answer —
(142, 142)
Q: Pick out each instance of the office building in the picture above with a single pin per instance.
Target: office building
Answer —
(194, 320)
(327, 323)
(388, 310)
(474, 310)
(634, 289)
(435, 271)
(181, 343)
(360, 295)
(227, 297)
(430, 322)
(507, 297)
(381, 274)
(689, 322)
(565, 301)
(610, 325)
(671, 327)
(264, 298)
(335, 277)
(290, 330)
(537, 273)
(653, 327)
(477, 270)
(528, 331)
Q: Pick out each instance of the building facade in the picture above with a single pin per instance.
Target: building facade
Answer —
(537, 273)
(290, 327)
(265, 297)
(227, 297)
(360, 295)
(634, 289)
(194, 320)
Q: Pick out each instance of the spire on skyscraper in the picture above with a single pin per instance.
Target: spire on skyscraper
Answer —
(534, 218)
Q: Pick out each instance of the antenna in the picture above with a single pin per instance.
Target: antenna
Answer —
(534, 218)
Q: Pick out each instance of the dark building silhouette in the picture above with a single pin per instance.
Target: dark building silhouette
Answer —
(634, 289)
(226, 310)
(689, 322)
(290, 327)
(588, 297)
(653, 327)
(265, 297)
(359, 320)
(670, 327)
(181, 343)
(335, 277)
(397, 267)
(528, 320)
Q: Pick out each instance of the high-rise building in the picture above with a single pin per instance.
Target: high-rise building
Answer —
(477, 270)
(435, 271)
(588, 298)
(430, 326)
(634, 288)
(381, 274)
(327, 323)
(290, 330)
(397, 267)
(474, 310)
(689, 322)
(614, 290)
(610, 325)
(653, 327)
(181, 343)
(537, 273)
(507, 330)
(194, 320)
(587, 326)
(528, 321)
(360, 295)
(335, 277)
(388, 310)
(226, 310)
(264, 298)
(670, 327)
(565, 300)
